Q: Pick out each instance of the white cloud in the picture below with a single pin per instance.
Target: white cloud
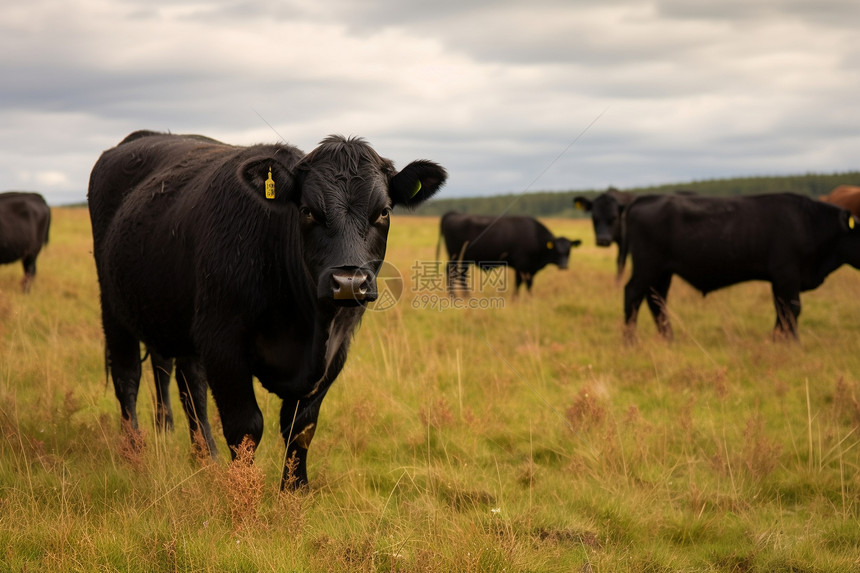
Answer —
(496, 91)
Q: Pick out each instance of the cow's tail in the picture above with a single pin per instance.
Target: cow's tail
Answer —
(623, 245)
(47, 227)
(107, 366)
(439, 238)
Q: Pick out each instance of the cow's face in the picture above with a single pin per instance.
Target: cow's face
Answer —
(344, 195)
(559, 250)
(606, 217)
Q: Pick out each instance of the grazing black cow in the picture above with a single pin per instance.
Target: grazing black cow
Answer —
(519, 242)
(606, 210)
(790, 240)
(243, 261)
(25, 220)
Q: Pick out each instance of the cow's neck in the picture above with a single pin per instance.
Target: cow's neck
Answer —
(333, 336)
(306, 357)
(845, 251)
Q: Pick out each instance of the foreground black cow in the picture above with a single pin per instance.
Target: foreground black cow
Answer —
(243, 261)
(606, 213)
(521, 243)
(790, 240)
(25, 220)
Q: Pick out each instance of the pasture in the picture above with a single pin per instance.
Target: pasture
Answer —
(513, 435)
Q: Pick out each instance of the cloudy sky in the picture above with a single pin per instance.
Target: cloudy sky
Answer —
(510, 96)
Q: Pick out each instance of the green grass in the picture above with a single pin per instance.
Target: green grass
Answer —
(523, 438)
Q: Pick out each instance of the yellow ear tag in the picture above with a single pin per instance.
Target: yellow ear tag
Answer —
(549, 245)
(270, 186)
(417, 189)
(850, 222)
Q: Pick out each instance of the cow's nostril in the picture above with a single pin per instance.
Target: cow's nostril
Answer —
(350, 285)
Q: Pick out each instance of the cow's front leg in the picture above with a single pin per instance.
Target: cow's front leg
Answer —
(232, 387)
(298, 425)
(787, 304)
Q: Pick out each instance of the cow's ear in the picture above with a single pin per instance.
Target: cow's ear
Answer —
(416, 183)
(582, 203)
(575, 243)
(268, 179)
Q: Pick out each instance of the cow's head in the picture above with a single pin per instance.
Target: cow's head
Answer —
(344, 193)
(605, 215)
(558, 250)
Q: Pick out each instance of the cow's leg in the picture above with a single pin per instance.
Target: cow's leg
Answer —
(161, 369)
(192, 394)
(518, 280)
(456, 271)
(634, 292)
(619, 266)
(29, 263)
(787, 304)
(298, 424)
(657, 305)
(230, 380)
(123, 354)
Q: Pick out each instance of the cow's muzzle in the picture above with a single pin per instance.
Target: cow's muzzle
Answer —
(603, 241)
(348, 286)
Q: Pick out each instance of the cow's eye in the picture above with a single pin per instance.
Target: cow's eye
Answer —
(383, 215)
(306, 213)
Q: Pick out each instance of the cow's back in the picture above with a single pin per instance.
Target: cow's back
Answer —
(715, 242)
(179, 200)
(490, 238)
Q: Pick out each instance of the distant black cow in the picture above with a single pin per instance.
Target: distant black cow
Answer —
(519, 242)
(606, 211)
(790, 240)
(243, 261)
(25, 220)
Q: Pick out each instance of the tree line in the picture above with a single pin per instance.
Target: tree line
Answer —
(560, 203)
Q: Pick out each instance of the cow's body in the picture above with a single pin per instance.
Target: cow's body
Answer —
(606, 215)
(789, 240)
(195, 261)
(521, 243)
(25, 220)
(845, 196)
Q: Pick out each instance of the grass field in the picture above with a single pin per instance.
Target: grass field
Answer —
(522, 437)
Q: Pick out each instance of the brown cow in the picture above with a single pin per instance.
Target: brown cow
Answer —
(845, 196)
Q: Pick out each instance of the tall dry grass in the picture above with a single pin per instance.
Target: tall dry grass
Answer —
(524, 438)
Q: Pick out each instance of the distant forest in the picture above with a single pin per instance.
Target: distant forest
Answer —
(560, 203)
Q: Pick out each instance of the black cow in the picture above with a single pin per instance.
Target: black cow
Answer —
(243, 261)
(789, 240)
(519, 242)
(606, 214)
(25, 220)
